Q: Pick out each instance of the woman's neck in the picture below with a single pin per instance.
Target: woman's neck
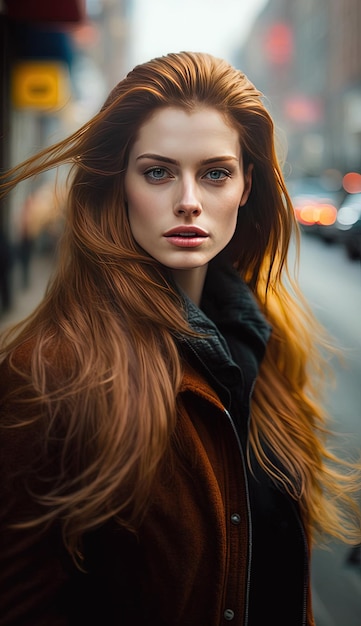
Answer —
(191, 282)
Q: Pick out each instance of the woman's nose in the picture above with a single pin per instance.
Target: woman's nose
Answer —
(188, 202)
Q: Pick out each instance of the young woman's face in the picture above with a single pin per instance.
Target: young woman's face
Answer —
(183, 186)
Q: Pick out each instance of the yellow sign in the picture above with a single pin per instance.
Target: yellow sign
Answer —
(43, 85)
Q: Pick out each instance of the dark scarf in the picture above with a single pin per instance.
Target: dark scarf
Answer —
(234, 338)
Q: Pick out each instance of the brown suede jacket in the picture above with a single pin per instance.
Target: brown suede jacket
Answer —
(194, 561)
(189, 564)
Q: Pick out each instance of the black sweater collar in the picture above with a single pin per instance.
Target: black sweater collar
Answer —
(234, 335)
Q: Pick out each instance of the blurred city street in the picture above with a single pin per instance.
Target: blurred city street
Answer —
(332, 286)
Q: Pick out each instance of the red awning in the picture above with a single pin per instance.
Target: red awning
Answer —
(46, 11)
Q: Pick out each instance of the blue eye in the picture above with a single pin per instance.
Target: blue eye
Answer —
(157, 173)
(217, 175)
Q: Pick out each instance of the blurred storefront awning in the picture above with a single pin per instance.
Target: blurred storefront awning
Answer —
(46, 10)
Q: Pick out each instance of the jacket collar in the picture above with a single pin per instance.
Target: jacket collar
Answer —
(195, 383)
(233, 335)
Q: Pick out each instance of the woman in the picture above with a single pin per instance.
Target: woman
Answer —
(163, 457)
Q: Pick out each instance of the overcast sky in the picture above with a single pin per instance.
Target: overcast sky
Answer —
(215, 26)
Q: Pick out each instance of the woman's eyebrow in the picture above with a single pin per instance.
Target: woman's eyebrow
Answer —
(226, 157)
(163, 159)
(157, 157)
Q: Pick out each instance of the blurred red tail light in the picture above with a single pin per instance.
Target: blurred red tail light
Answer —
(311, 213)
(327, 214)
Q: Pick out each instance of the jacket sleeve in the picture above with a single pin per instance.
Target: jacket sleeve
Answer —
(34, 568)
(39, 583)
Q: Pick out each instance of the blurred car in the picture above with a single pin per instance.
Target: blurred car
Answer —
(315, 206)
(348, 225)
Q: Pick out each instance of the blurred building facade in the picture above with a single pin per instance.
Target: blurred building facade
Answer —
(58, 61)
(37, 32)
(306, 59)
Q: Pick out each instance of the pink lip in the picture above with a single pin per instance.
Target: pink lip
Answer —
(178, 230)
(186, 236)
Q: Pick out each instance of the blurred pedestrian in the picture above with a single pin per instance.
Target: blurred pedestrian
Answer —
(354, 555)
(162, 446)
(26, 241)
(6, 265)
(40, 225)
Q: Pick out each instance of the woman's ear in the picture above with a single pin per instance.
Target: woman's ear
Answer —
(247, 185)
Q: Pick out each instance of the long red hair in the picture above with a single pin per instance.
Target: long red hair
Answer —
(104, 360)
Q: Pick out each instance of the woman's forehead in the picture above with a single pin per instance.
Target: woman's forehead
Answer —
(176, 133)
